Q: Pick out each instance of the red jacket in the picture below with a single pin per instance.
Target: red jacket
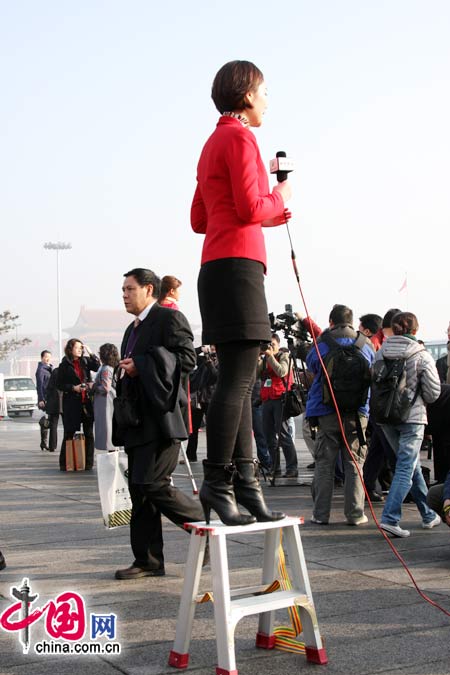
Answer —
(232, 196)
(377, 339)
(277, 385)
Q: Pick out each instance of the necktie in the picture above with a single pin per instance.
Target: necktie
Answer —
(133, 337)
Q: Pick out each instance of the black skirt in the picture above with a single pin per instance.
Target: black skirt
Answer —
(232, 301)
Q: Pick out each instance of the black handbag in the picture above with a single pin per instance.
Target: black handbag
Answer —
(44, 422)
(125, 412)
(293, 404)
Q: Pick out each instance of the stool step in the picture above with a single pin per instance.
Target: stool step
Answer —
(268, 602)
(216, 527)
(249, 590)
(261, 589)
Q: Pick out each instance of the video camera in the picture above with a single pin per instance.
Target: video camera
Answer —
(298, 338)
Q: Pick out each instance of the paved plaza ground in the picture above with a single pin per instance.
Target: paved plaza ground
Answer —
(371, 618)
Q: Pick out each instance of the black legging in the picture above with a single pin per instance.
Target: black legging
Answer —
(229, 419)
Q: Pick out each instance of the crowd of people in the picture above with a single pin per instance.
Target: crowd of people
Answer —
(160, 403)
(83, 387)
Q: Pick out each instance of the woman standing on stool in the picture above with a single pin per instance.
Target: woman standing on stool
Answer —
(231, 204)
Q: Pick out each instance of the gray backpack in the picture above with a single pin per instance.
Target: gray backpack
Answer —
(389, 399)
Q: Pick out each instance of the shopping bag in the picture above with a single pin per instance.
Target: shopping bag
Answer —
(112, 472)
(76, 453)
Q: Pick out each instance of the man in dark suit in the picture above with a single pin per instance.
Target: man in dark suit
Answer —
(157, 355)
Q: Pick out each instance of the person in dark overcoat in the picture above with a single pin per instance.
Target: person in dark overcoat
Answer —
(74, 380)
(43, 374)
(53, 409)
(438, 414)
(157, 354)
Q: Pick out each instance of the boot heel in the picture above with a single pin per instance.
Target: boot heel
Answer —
(206, 511)
(217, 493)
(248, 491)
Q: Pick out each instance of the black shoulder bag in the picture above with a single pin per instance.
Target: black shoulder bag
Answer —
(293, 404)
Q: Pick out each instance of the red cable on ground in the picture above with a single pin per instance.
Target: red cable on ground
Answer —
(341, 426)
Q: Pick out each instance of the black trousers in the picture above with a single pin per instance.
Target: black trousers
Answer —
(441, 455)
(153, 499)
(435, 499)
(88, 430)
(229, 431)
(379, 451)
(196, 417)
(51, 432)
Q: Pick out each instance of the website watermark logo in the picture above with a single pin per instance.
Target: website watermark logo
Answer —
(65, 622)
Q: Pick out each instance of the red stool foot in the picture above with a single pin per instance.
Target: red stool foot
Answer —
(264, 641)
(178, 660)
(316, 655)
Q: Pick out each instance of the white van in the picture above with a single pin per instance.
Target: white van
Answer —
(21, 395)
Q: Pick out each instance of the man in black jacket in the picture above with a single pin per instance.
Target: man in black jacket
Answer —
(442, 362)
(157, 355)
(43, 374)
(438, 414)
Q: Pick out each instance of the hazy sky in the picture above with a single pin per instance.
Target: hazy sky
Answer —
(105, 107)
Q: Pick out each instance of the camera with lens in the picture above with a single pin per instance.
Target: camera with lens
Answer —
(298, 338)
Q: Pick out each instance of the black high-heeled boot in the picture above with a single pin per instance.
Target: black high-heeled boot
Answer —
(248, 491)
(217, 493)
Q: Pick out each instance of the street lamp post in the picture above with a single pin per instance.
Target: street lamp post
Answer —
(58, 246)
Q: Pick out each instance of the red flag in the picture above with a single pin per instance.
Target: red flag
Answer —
(404, 285)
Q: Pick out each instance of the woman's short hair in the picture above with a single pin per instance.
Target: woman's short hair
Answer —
(404, 322)
(70, 345)
(109, 355)
(167, 283)
(232, 82)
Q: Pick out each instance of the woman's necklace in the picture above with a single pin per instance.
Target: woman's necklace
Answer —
(242, 119)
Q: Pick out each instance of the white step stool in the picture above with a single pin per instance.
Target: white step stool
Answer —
(228, 611)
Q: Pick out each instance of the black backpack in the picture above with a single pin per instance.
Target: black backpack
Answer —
(389, 399)
(349, 373)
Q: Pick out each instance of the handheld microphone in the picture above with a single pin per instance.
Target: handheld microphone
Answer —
(281, 165)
